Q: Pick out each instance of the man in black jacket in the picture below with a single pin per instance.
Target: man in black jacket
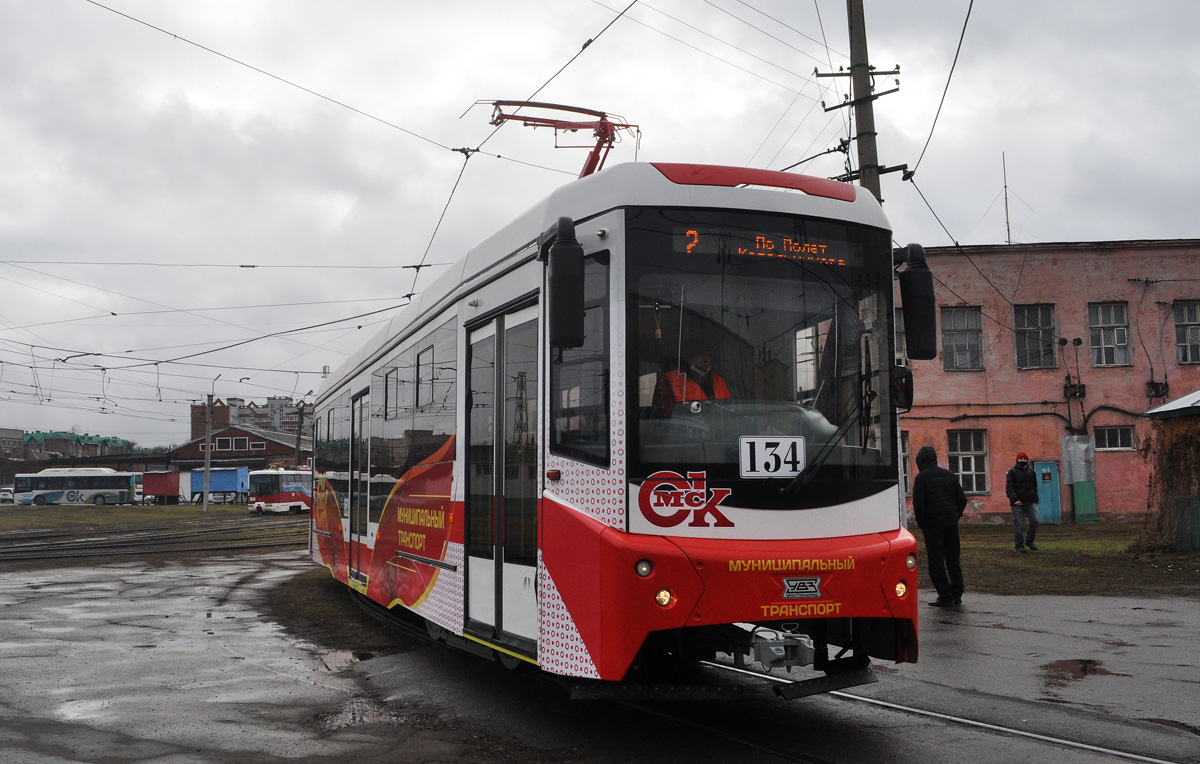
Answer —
(938, 503)
(1021, 486)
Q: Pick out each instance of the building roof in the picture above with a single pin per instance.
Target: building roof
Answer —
(1186, 405)
(283, 438)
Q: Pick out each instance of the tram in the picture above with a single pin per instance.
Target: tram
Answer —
(277, 490)
(650, 422)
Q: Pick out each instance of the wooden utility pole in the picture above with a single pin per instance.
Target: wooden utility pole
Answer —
(208, 445)
(863, 99)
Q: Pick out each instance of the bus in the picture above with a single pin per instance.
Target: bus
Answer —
(76, 485)
(561, 497)
(279, 490)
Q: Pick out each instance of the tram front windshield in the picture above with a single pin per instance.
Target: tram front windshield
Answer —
(264, 485)
(759, 352)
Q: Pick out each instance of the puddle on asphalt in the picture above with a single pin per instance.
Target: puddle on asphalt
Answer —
(1075, 669)
(337, 660)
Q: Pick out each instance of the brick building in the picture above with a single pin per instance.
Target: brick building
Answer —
(1045, 341)
(245, 446)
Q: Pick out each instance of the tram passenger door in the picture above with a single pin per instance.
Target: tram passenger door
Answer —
(501, 482)
(360, 471)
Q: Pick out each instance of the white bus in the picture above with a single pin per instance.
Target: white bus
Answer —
(76, 485)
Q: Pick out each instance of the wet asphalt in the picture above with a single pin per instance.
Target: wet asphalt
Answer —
(172, 664)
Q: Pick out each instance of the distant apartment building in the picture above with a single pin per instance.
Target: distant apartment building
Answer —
(278, 414)
(1055, 349)
(12, 443)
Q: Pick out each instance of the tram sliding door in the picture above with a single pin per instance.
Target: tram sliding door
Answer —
(360, 470)
(501, 480)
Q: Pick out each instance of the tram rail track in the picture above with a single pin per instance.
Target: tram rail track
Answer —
(906, 710)
(157, 538)
(783, 754)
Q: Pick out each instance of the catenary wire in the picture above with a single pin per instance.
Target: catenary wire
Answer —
(709, 54)
(957, 51)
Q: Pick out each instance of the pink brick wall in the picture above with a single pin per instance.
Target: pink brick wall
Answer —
(1025, 409)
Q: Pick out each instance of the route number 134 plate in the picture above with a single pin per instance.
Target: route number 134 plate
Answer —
(771, 457)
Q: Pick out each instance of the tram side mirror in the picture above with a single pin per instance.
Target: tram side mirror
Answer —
(902, 388)
(564, 279)
(918, 305)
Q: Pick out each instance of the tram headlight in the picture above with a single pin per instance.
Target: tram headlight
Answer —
(912, 562)
(901, 589)
(643, 568)
(664, 597)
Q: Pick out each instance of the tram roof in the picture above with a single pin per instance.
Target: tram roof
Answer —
(631, 184)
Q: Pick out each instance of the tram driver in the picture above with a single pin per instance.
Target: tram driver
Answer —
(692, 380)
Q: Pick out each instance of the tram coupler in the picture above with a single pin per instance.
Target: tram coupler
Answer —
(784, 652)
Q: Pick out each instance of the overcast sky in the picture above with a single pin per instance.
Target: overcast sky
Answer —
(143, 141)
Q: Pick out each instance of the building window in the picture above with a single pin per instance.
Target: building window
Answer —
(203, 448)
(1109, 325)
(901, 350)
(241, 444)
(223, 444)
(968, 459)
(258, 446)
(1187, 331)
(905, 471)
(962, 345)
(1034, 326)
(1114, 438)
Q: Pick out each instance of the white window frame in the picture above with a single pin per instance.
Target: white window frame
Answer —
(962, 338)
(970, 465)
(1187, 331)
(1108, 325)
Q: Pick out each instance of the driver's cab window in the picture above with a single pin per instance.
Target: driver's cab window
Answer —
(579, 377)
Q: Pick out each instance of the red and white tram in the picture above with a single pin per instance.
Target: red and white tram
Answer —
(518, 461)
(278, 490)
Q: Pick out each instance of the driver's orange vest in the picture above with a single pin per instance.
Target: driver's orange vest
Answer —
(687, 390)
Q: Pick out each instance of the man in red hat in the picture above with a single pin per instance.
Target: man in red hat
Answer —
(1021, 487)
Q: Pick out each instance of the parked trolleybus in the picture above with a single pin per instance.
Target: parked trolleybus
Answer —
(566, 487)
(280, 491)
(76, 485)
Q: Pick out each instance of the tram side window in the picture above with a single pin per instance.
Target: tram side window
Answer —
(579, 392)
(332, 458)
(436, 395)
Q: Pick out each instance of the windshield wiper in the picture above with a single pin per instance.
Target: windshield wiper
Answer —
(868, 394)
(862, 417)
(826, 451)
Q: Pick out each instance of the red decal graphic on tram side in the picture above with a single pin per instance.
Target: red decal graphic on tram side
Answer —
(417, 523)
(667, 499)
(327, 518)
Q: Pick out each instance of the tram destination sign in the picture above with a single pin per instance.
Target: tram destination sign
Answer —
(745, 242)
